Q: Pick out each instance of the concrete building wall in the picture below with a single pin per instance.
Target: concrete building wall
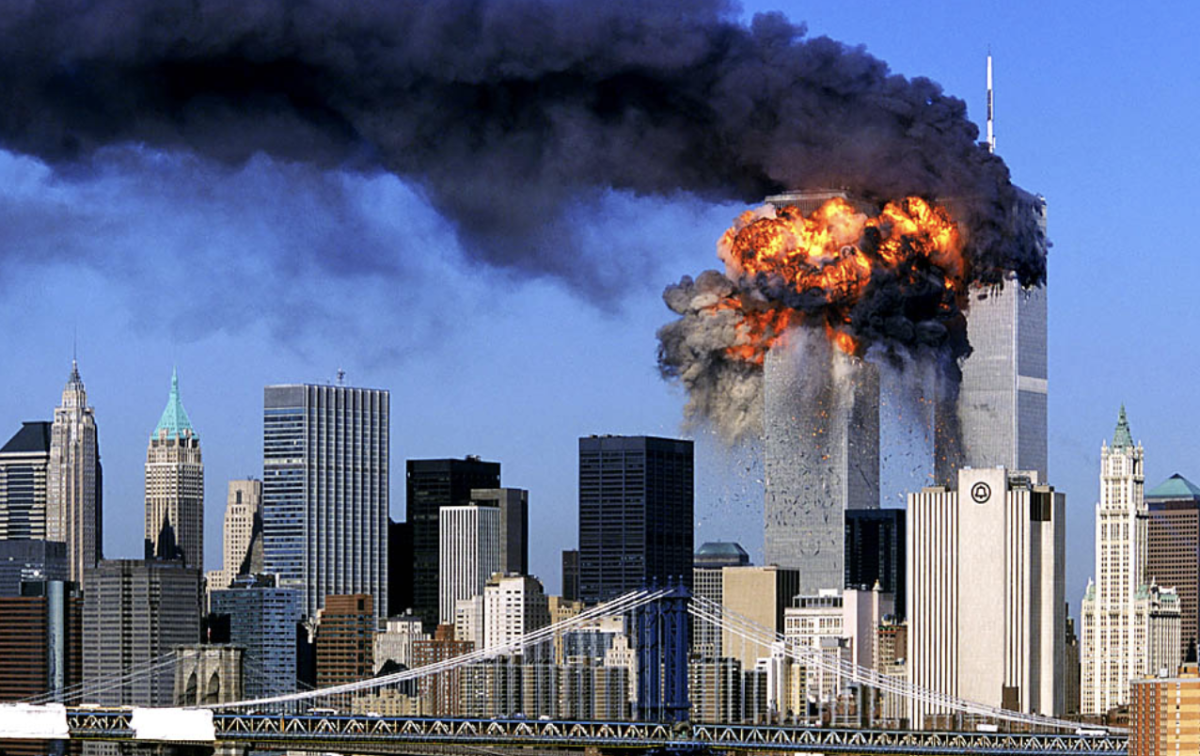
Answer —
(469, 553)
(986, 602)
(762, 595)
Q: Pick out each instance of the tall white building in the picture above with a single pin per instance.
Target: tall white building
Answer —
(469, 552)
(513, 504)
(1000, 417)
(513, 605)
(174, 524)
(986, 591)
(1120, 642)
(241, 506)
(74, 480)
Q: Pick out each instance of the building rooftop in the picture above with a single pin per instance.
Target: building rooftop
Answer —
(721, 554)
(1175, 487)
(174, 418)
(33, 437)
(1121, 436)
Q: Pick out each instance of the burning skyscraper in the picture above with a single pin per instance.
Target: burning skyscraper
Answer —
(820, 439)
(820, 293)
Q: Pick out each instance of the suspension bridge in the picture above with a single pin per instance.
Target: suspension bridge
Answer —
(575, 686)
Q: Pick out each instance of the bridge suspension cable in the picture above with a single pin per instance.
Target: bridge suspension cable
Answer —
(620, 605)
(711, 611)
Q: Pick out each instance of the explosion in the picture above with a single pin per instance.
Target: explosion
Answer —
(897, 280)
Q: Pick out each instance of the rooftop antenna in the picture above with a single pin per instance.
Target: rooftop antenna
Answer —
(991, 134)
(341, 377)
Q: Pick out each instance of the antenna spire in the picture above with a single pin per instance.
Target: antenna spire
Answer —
(991, 134)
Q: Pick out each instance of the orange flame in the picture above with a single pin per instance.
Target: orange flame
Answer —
(832, 252)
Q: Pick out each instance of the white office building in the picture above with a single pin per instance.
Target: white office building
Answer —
(469, 552)
(986, 592)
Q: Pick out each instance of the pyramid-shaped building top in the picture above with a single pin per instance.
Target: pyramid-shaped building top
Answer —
(174, 418)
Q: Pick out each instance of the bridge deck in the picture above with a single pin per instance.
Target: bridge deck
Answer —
(556, 735)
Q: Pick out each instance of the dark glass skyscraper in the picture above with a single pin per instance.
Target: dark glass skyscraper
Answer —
(875, 551)
(23, 463)
(431, 485)
(636, 504)
(325, 491)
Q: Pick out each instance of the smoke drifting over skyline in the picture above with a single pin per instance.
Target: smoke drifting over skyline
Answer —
(505, 114)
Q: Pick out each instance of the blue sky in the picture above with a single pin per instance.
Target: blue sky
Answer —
(249, 276)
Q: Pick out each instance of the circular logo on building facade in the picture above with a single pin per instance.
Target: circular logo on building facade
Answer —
(981, 492)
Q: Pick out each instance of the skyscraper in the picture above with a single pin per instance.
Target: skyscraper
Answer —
(175, 486)
(262, 619)
(74, 480)
(1121, 615)
(136, 611)
(1003, 396)
(821, 455)
(469, 552)
(1173, 547)
(23, 464)
(242, 505)
(875, 552)
(430, 485)
(513, 504)
(986, 604)
(821, 440)
(325, 491)
(636, 523)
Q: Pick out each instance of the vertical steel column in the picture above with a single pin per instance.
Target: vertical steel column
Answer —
(663, 643)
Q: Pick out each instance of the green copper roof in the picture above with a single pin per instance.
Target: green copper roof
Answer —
(1121, 436)
(174, 418)
(1175, 487)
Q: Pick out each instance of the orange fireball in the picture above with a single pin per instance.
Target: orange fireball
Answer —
(829, 259)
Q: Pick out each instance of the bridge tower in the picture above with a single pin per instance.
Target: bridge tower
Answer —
(662, 671)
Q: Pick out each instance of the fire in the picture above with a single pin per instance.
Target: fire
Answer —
(828, 259)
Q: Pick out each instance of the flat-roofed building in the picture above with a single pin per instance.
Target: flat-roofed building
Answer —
(1173, 548)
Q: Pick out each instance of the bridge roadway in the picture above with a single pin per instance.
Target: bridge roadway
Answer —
(436, 734)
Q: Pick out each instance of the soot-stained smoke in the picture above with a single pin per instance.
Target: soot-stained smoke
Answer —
(505, 113)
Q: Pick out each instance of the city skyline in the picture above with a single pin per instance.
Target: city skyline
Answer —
(425, 366)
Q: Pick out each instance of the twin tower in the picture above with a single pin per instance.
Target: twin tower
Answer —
(822, 420)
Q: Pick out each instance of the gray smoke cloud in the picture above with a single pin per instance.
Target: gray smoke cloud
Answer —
(504, 113)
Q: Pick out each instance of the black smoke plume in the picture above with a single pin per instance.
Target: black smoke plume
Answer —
(503, 112)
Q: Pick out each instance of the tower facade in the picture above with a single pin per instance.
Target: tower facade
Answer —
(1118, 635)
(137, 610)
(513, 504)
(999, 418)
(469, 551)
(242, 505)
(430, 485)
(821, 418)
(986, 598)
(74, 480)
(325, 491)
(23, 465)
(174, 524)
(636, 522)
